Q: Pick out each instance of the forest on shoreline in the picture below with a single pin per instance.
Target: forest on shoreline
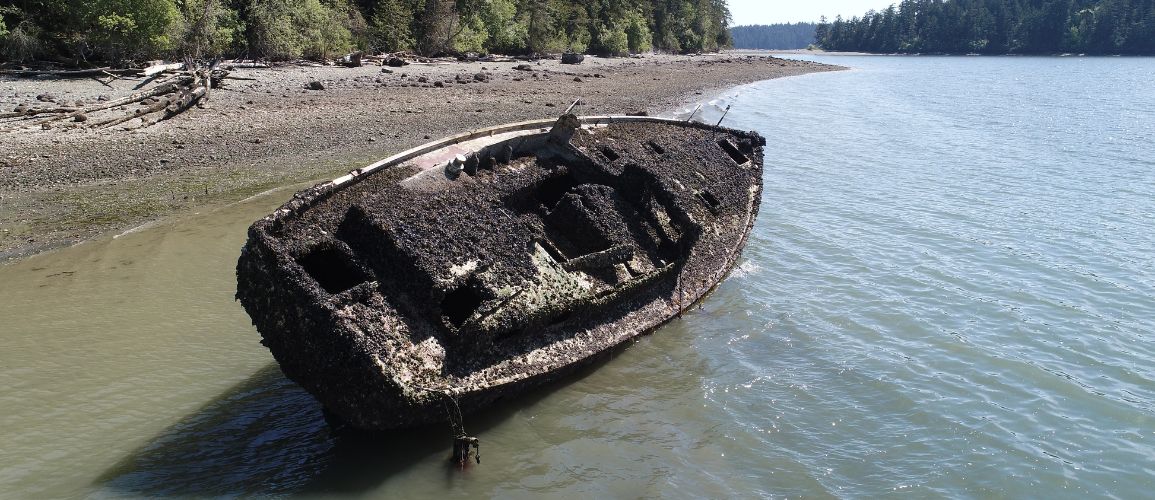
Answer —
(1099, 27)
(783, 36)
(118, 31)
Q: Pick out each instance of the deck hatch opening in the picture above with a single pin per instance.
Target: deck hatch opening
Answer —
(332, 269)
(610, 153)
(657, 148)
(711, 201)
(733, 151)
(460, 304)
(561, 318)
(550, 191)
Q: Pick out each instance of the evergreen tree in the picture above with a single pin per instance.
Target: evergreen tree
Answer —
(999, 27)
(390, 27)
(285, 29)
(775, 36)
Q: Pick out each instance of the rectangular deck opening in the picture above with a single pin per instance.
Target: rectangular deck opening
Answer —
(733, 151)
(610, 153)
(460, 304)
(332, 269)
(710, 200)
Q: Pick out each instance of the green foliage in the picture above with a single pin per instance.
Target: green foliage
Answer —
(610, 40)
(435, 26)
(470, 35)
(691, 25)
(23, 41)
(539, 17)
(507, 34)
(288, 29)
(999, 27)
(125, 29)
(349, 16)
(774, 36)
(638, 36)
(390, 28)
(207, 28)
(571, 24)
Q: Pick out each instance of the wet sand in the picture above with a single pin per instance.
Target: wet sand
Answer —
(60, 187)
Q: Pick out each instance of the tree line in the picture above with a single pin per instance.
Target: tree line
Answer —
(122, 30)
(998, 27)
(783, 36)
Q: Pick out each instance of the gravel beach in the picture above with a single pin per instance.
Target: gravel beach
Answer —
(60, 187)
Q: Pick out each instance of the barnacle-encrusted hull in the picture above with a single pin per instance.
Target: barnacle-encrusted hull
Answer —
(477, 266)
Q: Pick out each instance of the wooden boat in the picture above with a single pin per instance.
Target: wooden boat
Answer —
(474, 267)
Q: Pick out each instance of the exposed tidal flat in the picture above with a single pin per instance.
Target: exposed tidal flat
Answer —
(949, 293)
(61, 186)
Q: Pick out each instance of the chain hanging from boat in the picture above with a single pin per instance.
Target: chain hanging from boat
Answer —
(464, 445)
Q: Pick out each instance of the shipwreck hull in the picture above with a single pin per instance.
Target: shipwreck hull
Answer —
(475, 267)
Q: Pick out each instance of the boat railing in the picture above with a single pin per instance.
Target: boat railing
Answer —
(500, 129)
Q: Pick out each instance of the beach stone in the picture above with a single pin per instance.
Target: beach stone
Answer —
(523, 67)
(572, 58)
(46, 97)
(80, 118)
(396, 62)
(315, 85)
(481, 77)
(422, 80)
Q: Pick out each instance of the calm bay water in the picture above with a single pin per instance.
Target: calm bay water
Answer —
(950, 292)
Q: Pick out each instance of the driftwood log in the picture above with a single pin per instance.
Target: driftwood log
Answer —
(176, 88)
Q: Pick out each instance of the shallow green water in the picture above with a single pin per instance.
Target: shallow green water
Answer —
(950, 292)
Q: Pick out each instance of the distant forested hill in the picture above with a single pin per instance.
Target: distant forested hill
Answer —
(118, 30)
(773, 36)
(998, 27)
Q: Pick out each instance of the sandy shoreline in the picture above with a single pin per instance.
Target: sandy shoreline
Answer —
(62, 187)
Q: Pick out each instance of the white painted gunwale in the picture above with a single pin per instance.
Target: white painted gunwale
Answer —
(526, 126)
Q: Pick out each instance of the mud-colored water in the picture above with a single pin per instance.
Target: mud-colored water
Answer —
(950, 292)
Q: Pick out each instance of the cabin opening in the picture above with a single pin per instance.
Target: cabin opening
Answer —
(733, 151)
(459, 305)
(711, 201)
(572, 225)
(332, 269)
(550, 191)
(561, 318)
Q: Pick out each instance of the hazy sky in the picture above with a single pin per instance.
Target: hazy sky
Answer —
(790, 11)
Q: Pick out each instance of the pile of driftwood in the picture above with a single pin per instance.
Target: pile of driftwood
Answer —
(167, 90)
